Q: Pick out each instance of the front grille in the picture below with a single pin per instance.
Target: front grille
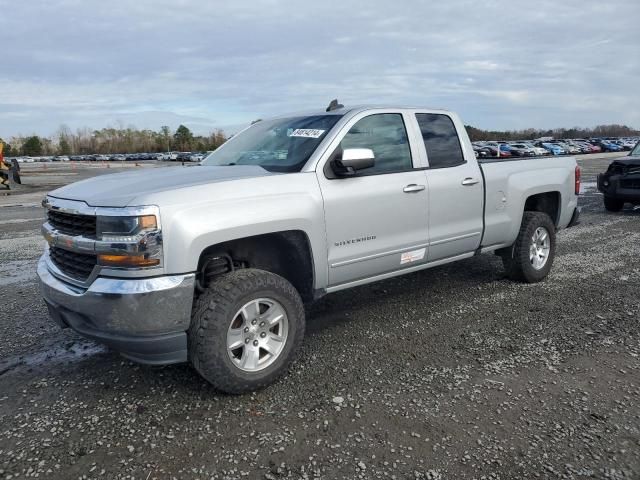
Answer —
(76, 265)
(72, 224)
(630, 183)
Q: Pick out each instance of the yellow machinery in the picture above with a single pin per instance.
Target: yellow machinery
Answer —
(9, 172)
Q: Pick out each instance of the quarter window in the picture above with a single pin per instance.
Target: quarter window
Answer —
(440, 139)
(386, 135)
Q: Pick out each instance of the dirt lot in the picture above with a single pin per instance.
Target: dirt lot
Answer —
(453, 372)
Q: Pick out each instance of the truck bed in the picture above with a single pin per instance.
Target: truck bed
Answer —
(508, 181)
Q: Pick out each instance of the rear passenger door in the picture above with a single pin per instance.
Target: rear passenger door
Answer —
(455, 189)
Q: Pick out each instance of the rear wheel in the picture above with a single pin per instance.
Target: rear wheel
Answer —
(245, 330)
(613, 204)
(530, 258)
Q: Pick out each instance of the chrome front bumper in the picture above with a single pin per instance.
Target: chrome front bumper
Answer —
(145, 319)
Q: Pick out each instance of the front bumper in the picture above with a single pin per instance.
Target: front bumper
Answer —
(621, 187)
(145, 319)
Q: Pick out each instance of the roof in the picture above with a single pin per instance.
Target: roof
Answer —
(357, 108)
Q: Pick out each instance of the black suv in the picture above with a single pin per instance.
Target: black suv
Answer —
(620, 184)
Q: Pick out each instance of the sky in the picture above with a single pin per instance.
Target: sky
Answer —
(220, 64)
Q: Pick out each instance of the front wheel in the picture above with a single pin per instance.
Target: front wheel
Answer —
(530, 258)
(245, 330)
(613, 204)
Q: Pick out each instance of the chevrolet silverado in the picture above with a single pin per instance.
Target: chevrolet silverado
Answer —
(211, 264)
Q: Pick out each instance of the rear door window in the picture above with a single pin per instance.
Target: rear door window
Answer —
(440, 139)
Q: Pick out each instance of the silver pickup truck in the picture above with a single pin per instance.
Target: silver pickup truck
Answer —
(211, 264)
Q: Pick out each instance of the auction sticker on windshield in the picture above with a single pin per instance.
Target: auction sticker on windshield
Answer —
(306, 132)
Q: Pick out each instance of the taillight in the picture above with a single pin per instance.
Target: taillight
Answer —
(577, 179)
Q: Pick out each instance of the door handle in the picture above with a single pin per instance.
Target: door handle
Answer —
(413, 188)
(469, 181)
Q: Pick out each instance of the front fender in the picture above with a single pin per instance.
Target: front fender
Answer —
(245, 208)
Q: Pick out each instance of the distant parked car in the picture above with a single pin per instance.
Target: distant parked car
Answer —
(566, 147)
(625, 144)
(196, 157)
(183, 156)
(503, 146)
(552, 148)
(608, 146)
(522, 150)
(584, 147)
(569, 148)
(493, 151)
(481, 152)
(594, 148)
(539, 151)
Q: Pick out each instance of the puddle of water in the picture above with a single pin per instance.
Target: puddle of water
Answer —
(76, 352)
(17, 271)
(20, 220)
(22, 247)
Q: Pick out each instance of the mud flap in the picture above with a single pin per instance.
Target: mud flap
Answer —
(575, 218)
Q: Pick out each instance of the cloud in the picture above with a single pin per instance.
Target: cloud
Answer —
(500, 64)
(475, 65)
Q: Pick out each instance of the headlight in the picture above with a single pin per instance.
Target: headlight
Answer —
(128, 242)
(124, 229)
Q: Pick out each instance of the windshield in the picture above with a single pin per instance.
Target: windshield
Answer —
(636, 150)
(278, 145)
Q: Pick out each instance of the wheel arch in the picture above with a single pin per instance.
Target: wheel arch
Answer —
(287, 253)
(545, 202)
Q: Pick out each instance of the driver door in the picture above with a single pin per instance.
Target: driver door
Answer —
(376, 221)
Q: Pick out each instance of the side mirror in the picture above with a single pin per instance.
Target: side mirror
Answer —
(353, 159)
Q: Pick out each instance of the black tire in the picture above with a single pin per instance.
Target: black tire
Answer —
(16, 177)
(516, 258)
(212, 315)
(613, 204)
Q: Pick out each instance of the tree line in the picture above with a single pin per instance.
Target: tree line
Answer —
(113, 140)
(131, 140)
(558, 133)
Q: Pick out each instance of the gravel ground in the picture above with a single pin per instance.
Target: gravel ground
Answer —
(453, 372)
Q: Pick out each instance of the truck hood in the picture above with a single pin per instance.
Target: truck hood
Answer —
(628, 161)
(625, 165)
(121, 189)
